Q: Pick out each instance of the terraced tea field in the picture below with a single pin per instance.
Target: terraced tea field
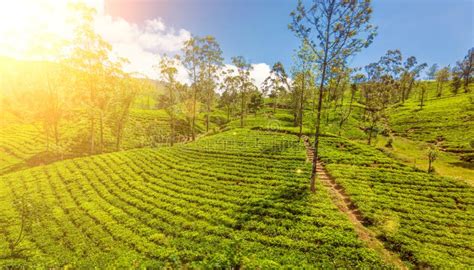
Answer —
(236, 199)
(24, 145)
(447, 121)
(19, 143)
(427, 219)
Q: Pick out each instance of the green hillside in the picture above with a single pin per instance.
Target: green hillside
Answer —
(187, 206)
(447, 121)
(133, 138)
(427, 219)
(24, 145)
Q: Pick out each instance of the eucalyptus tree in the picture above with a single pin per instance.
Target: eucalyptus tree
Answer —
(410, 72)
(380, 89)
(466, 68)
(277, 83)
(378, 92)
(124, 96)
(229, 95)
(431, 73)
(211, 61)
(456, 82)
(90, 57)
(245, 84)
(422, 95)
(256, 101)
(334, 30)
(192, 61)
(303, 81)
(356, 81)
(442, 77)
(168, 70)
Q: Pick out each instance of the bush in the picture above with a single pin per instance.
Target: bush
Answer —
(389, 143)
(219, 120)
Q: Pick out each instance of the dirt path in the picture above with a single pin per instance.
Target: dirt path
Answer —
(345, 205)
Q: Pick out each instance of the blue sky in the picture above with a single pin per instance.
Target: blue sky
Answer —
(435, 31)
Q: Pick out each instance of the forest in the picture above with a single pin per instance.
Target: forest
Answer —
(324, 165)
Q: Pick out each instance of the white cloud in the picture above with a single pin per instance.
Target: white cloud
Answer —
(27, 24)
(259, 73)
(142, 46)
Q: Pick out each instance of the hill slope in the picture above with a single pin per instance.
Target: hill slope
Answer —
(447, 121)
(236, 198)
(427, 219)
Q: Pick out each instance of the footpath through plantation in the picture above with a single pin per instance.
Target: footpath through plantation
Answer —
(236, 199)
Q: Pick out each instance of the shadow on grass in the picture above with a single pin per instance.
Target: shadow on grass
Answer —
(287, 202)
(463, 164)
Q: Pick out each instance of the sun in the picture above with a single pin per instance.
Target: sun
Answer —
(30, 28)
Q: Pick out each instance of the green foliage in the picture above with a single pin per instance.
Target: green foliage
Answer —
(223, 201)
(24, 145)
(427, 219)
(446, 120)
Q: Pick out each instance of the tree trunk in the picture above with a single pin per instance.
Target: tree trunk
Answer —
(92, 136)
(344, 118)
(318, 125)
(274, 105)
(172, 135)
(410, 87)
(242, 108)
(369, 139)
(327, 113)
(172, 125)
(119, 135)
(302, 105)
(101, 126)
(47, 139)
(193, 121)
(422, 99)
(56, 133)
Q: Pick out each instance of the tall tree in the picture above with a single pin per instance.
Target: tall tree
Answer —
(422, 95)
(212, 61)
(90, 57)
(303, 81)
(192, 61)
(431, 73)
(357, 80)
(466, 67)
(244, 82)
(256, 101)
(277, 83)
(124, 96)
(168, 71)
(410, 72)
(442, 76)
(380, 89)
(230, 94)
(456, 80)
(334, 31)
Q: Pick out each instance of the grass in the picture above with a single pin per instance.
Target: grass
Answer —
(447, 121)
(414, 153)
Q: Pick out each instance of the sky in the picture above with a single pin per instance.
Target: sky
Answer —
(435, 31)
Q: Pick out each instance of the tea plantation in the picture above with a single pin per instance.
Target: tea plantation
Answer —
(236, 199)
(24, 145)
(427, 219)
